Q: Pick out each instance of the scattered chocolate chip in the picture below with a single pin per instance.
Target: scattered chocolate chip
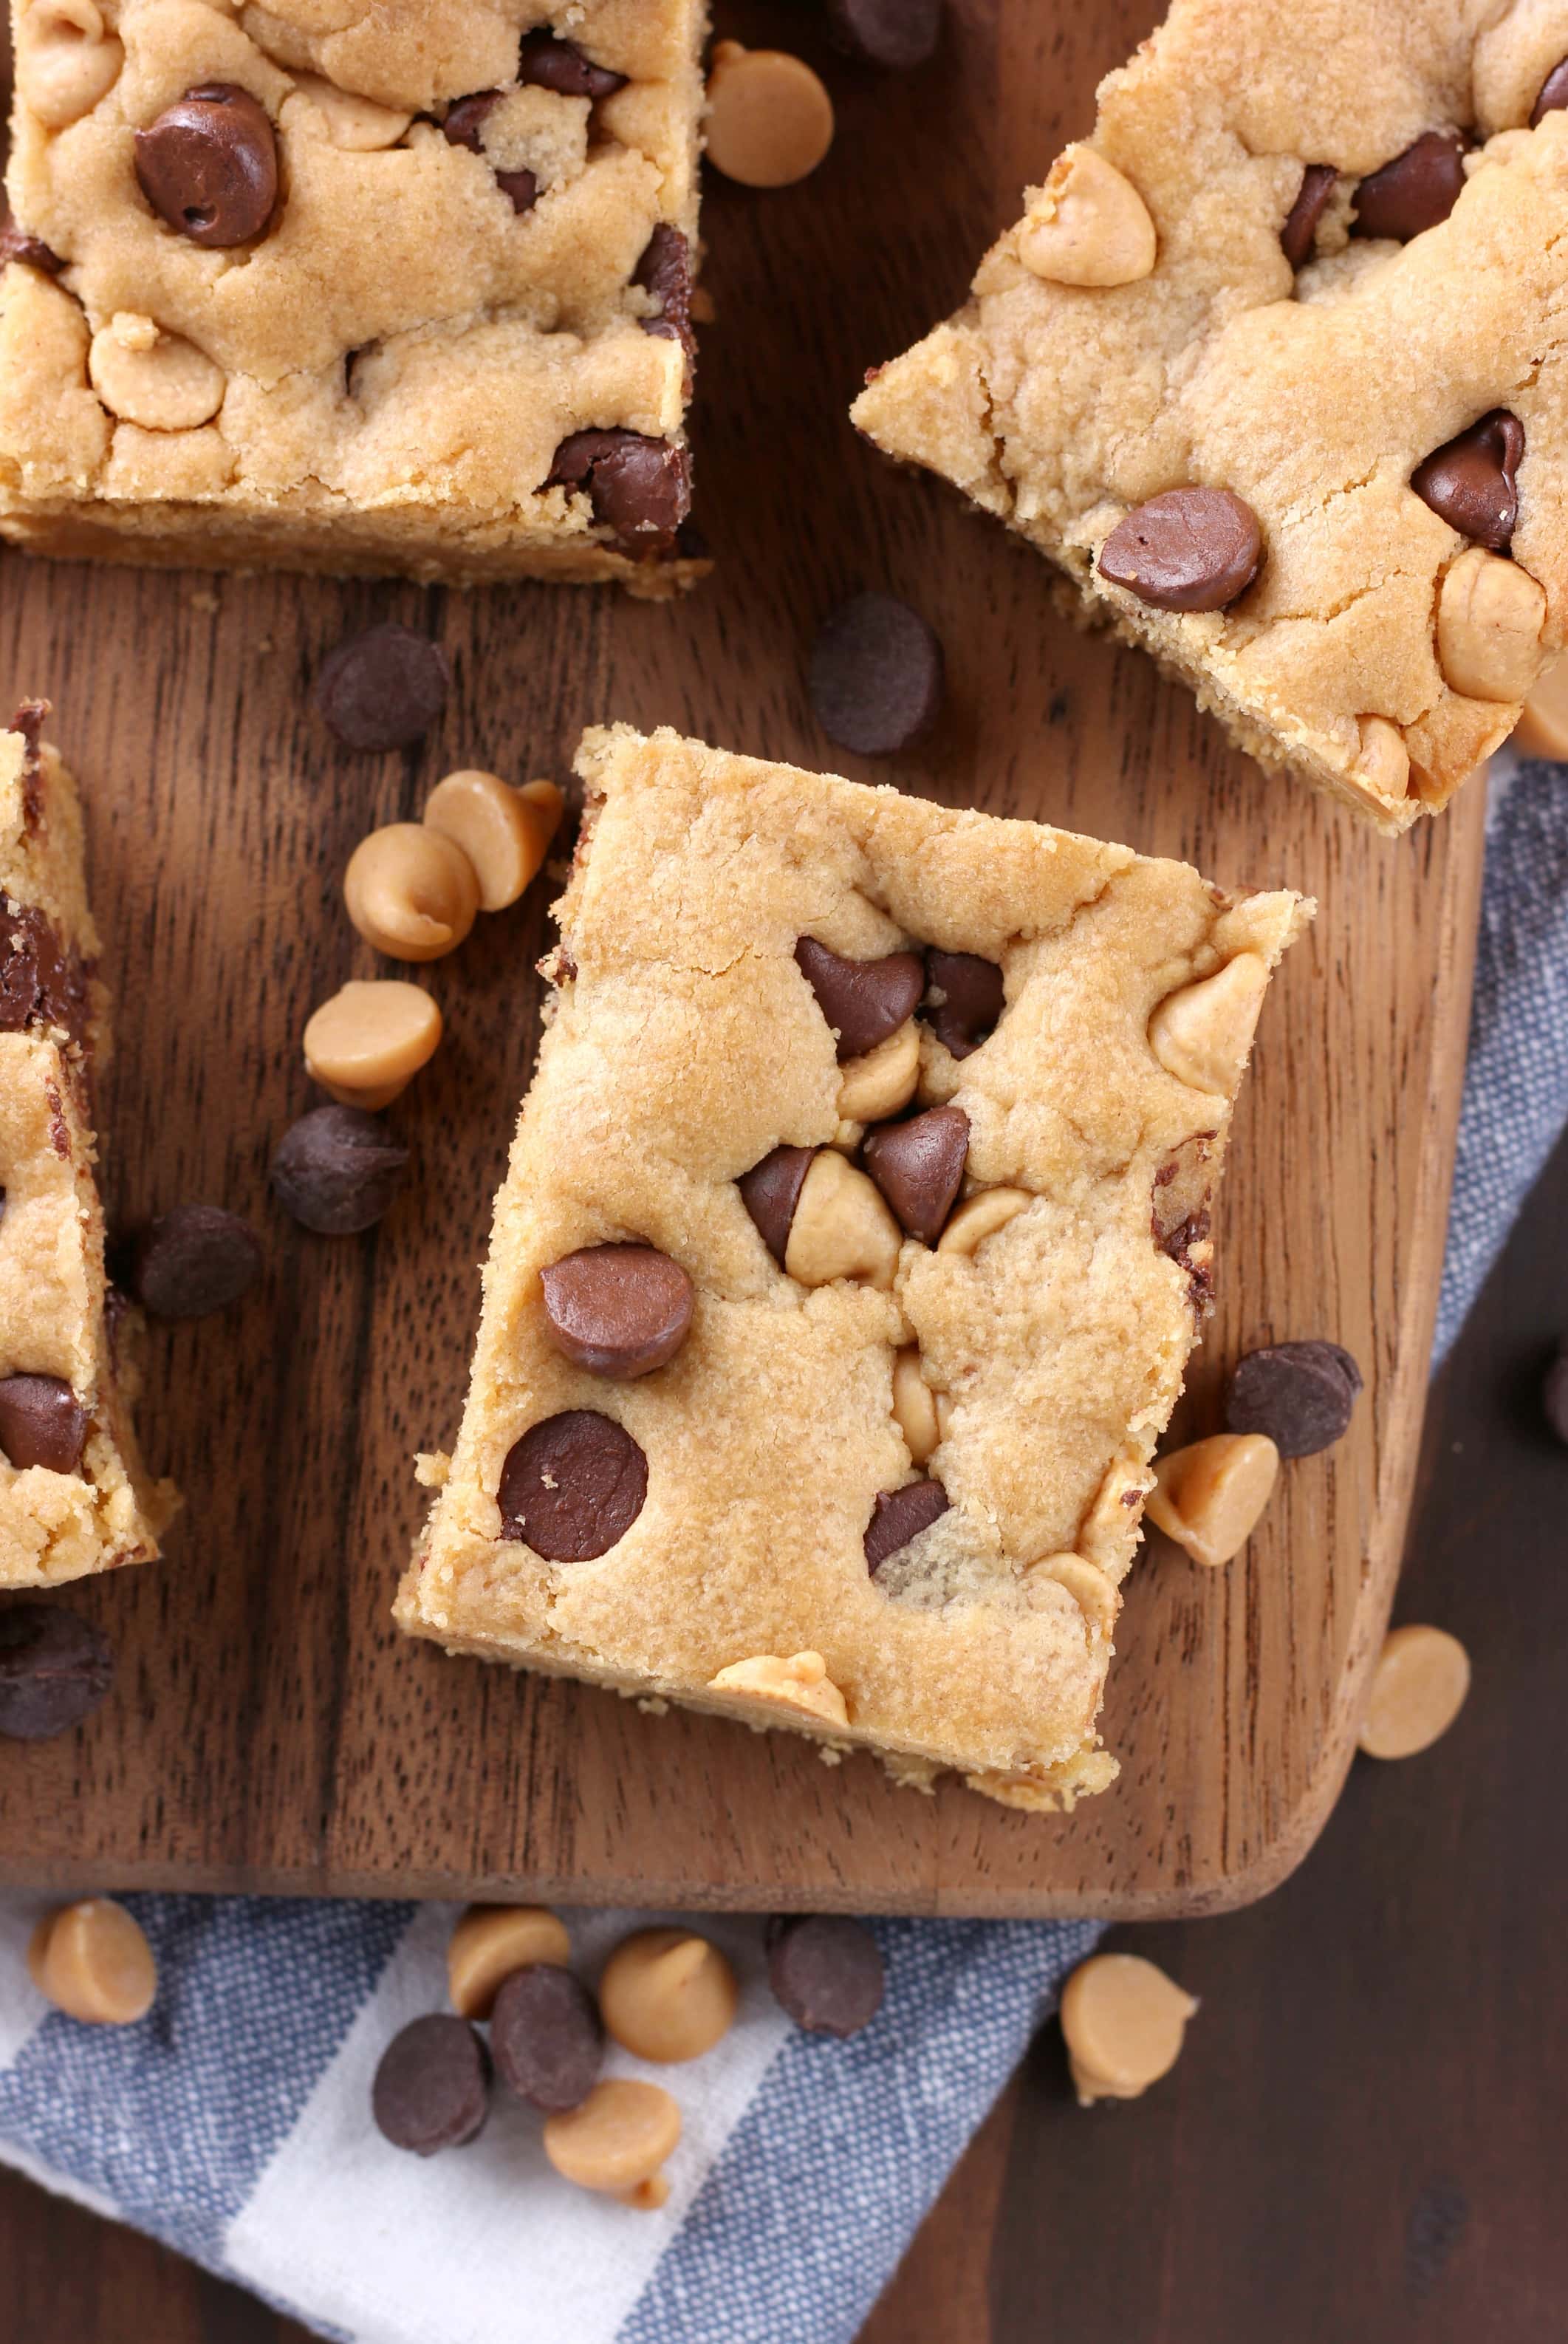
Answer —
(1554, 1394)
(550, 63)
(337, 1170)
(462, 127)
(1296, 237)
(41, 1423)
(918, 1166)
(572, 1486)
(877, 675)
(43, 981)
(827, 1972)
(617, 1311)
(208, 165)
(383, 689)
(971, 999)
(547, 2037)
(16, 244)
(193, 1260)
(1554, 94)
(54, 1669)
(1301, 1394)
(665, 271)
(1471, 483)
(863, 1000)
(1185, 550)
(640, 488)
(898, 34)
(1414, 191)
(900, 1515)
(770, 1192)
(432, 2087)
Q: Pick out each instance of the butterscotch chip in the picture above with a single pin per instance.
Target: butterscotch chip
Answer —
(492, 1941)
(617, 2140)
(1418, 1689)
(667, 1994)
(769, 118)
(368, 1042)
(1208, 1496)
(504, 832)
(92, 1961)
(1124, 2021)
(411, 892)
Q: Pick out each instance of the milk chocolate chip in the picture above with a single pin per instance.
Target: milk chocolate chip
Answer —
(337, 1170)
(917, 1167)
(462, 127)
(770, 1192)
(572, 1486)
(193, 1260)
(827, 1972)
(900, 1515)
(1300, 226)
(971, 999)
(432, 2088)
(1301, 1394)
(54, 1669)
(665, 271)
(863, 1000)
(41, 1423)
(1554, 94)
(208, 165)
(640, 488)
(42, 980)
(546, 2035)
(877, 675)
(16, 244)
(617, 1311)
(1185, 550)
(896, 33)
(1415, 191)
(549, 63)
(1471, 482)
(383, 689)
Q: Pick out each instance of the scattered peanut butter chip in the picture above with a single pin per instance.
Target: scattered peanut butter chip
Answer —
(667, 1994)
(864, 1001)
(1552, 95)
(769, 118)
(965, 999)
(54, 1669)
(1301, 1394)
(410, 891)
(617, 2140)
(492, 1941)
(1418, 1689)
(432, 2086)
(504, 831)
(1297, 236)
(898, 34)
(208, 165)
(383, 689)
(1472, 482)
(1413, 193)
(1185, 550)
(900, 1515)
(1543, 729)
(1123, 2020)
(545, 2036)
(826, 1971)
(572, 1486)
(41, 1423)
(92, 1961)
(1210, 1496)
(371, 1039)
(918, 1165)
(194, 1260)
(877, 675)
(770, 1192)
(617, 1311)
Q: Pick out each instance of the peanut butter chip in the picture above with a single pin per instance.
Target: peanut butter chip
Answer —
(1123, 2020)
(158, 380)
(366, 1044)
(410, 891)
(492, 1941)
(1543, 729)
(66, 60)
(1210, 1496)
(1203, 1033)
(668, 1995)
(799, 1683)
(979, 1216)
(504, 832)
(1088, 226)
(1490, 614)
(915, 1407)
(358, 125)
(769, 118)
(1418, 1689)
(617, 2140)
(1383, 761)
(842, 1228)
(884, 1080)
(92, 1961)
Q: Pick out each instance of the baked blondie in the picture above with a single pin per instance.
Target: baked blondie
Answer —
(855, 1236)
(1272, 366)
(403, 287)
(74, 1496)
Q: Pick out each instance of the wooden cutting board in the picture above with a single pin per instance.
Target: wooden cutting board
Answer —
(270, 1731)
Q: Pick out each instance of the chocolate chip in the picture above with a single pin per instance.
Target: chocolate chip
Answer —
(1185, 550)
(462, 127)
(896, 33)
(547, 2037)
(1554, 94)
(1471, 482)
(432, 2087)
(1554, 1394)
(918, 1166)
(337, 1170)
(1414, 191)
(863, 1000)
(1297, 236)
(1301, 1394)
(875, 676)
(193, 1260)
(41, 1423)
(208, 165)
(827, 1972)
(665, 272)
(900, 1515)
(640, 488)
(770, 1192)
(43, 981)
(549, 63)
(617, 1311)
(383, 689)
(971, 1002)
(572, 1486)
(521, 188)
(16, 244)
(54, 1669)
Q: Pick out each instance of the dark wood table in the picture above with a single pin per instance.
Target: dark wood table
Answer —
(1362, 2143)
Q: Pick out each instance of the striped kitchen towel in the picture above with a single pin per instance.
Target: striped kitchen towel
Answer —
(234, 2121)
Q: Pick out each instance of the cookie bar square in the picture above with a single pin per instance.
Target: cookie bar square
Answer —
(854, 1239)
(403, 287)
(1272, 368)
(74, 1496)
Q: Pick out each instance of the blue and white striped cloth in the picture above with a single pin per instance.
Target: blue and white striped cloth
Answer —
(233, 2122)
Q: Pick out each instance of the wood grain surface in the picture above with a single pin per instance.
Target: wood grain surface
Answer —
(270, 1729)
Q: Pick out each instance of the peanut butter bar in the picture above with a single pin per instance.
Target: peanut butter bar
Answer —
(1272, 367)
(855, 1236)
(74, 1494)
(403, 287)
